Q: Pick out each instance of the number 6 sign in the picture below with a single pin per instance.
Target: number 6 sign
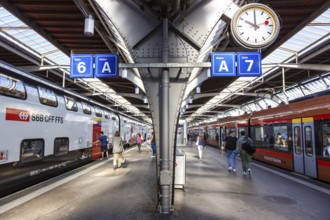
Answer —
(81, 66)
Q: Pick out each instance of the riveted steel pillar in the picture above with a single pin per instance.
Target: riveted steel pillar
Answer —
(165, 174)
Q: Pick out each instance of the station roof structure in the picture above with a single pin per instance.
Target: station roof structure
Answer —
(39, 36)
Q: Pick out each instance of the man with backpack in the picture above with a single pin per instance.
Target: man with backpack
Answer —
(230, 146)
(246, 157)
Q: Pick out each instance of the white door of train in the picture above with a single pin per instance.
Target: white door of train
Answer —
(304, 146)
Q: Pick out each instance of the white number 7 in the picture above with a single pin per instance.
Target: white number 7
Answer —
(250, 64)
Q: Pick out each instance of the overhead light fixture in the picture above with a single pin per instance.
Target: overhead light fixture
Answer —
(190, 99)
(198, 89)
(145, 100)
(89, 26)
(124, 73)
(137, 90)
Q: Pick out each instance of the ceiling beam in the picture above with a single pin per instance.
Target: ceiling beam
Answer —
(214, 105)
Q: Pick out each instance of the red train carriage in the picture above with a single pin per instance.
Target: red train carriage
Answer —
(212, 134)
(237, 124)
(295, 137)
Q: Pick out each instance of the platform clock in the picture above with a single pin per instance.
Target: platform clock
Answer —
(255, 26)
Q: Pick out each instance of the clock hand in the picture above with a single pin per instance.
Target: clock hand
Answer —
(255, 20)
(265, 23)
(253, 25)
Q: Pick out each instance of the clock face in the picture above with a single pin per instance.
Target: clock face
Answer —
(255, 26)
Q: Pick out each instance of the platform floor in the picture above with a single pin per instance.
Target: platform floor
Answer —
(96, 191)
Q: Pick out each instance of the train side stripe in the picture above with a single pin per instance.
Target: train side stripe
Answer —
(324, 163)
(322, 117)
(275, 153)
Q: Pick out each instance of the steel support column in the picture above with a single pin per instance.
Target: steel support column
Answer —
(164, 128)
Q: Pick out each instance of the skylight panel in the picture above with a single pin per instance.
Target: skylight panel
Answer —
(316, 31)
(293, 46)
(317, 86)
(294, 93)
(305, 39)
(7, 18)
(277, 56)
(59, 58)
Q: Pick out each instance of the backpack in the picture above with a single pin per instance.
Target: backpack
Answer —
(248, 146)
(231, 143)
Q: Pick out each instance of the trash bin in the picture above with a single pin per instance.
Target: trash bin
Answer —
(180, 169)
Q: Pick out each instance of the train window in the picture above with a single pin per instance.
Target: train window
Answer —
(281, 138)
(241, 129)
(32, 150)
(326, 139)
(211, 133)
(258, 135)
(98, 111)
(86, 108)
(228, 131)
(297, 141)
(12, 87)
(107, 115)
(70, 104)
(61, 146)
(308, 141)
(47, 96)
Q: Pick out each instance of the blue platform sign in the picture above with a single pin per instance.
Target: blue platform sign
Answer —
(81, 66)
(249, 64)
(106, 65)
(223, 64)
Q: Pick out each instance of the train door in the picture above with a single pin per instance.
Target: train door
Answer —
(304, 147)
(217, 130)
(222, 137)
(96, 147)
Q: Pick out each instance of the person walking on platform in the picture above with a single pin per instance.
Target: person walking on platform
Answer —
(217, 138)
(104, 145)
(153, 144)
(139, 140)
(118, 151)
(245, 157)
(200, 145)
(205, 139)
(230, 146)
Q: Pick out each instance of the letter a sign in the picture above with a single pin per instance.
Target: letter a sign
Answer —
(106, 65)
(223, 64)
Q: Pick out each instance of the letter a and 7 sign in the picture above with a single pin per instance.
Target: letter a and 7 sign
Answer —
(224, 64)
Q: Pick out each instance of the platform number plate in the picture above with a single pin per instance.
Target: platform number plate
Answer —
(81, 66)
(249, 64)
